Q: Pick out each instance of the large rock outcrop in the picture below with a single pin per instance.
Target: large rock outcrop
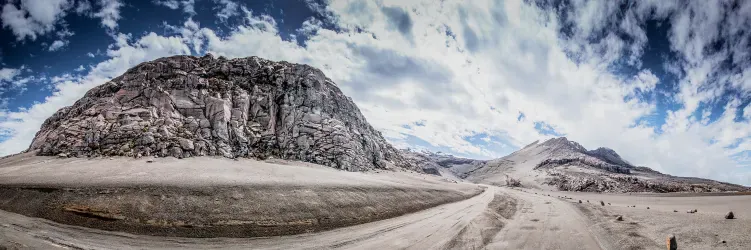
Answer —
(186, 106)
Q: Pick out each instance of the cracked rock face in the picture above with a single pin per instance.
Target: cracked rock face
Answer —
(186, 106)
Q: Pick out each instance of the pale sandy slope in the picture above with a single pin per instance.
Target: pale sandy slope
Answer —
(533, 223)
(518, 165)
(27, 169)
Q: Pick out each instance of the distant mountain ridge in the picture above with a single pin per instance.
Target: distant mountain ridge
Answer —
(436, 163)
(562, 164)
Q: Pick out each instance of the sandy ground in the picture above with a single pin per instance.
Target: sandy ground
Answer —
(544, 222)
(648, 228)
(498, 218)
(495, 219)
(199, 171)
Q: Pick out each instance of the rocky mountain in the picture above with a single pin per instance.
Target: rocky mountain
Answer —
(442, 164)
(185, 106)
(561, 164)
(608, 155)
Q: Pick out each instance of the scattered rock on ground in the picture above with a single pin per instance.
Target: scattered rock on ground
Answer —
(619, 218)
(730, 215)
(672, 242)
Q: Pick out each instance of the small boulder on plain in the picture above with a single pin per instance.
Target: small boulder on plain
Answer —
(672, 242)
(730, 215)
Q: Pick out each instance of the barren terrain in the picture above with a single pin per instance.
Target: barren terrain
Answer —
(201, 203)
(213, 197)
(649, 218)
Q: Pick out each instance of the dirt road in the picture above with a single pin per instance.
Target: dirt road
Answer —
(498, 219)
(545, 222)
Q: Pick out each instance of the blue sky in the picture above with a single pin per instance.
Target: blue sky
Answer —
(666, 84)
(88, 35)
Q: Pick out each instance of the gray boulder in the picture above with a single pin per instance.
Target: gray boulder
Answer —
(730, 215)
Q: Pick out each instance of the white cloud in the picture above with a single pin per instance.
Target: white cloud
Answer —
(83, 7)
(172, 4)
(188, 6)
(80, 68)
(90, 55)
(21, 82)
(7, 74)
(228, 9)
(310, 26)
(64, 33)
(33, 17)
(109, 13)
(57, 44)
(10, 79)
(63, 78)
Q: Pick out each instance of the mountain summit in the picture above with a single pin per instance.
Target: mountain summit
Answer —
(561, 164)
(186, 106)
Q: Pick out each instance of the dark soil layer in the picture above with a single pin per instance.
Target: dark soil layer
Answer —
(232, 211)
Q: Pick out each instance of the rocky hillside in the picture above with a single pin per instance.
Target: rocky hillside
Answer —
(186, 106)
(561, 164)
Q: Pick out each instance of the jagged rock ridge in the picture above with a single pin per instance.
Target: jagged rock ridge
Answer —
(185, 106)
(609, 155)
(433, 163)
